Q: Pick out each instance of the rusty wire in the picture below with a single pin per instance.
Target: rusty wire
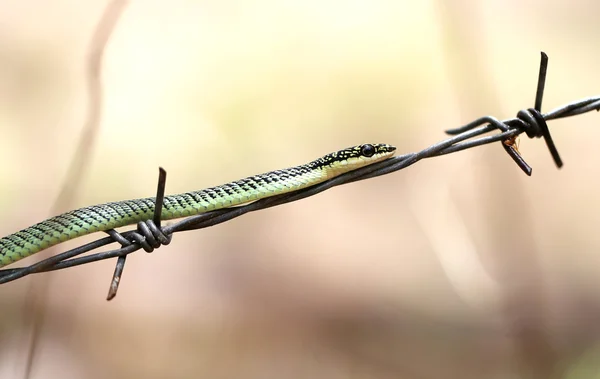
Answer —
(150, 235)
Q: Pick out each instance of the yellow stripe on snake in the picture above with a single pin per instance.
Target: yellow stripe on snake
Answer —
(107, 216)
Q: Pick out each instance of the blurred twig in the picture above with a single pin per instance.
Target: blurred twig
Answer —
(80, 160)
(38, 290)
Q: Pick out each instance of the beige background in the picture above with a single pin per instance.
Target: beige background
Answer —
(458, 267)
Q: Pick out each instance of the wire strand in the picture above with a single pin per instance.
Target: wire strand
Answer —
(150, 235)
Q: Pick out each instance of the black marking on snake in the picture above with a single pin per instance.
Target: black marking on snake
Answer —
(16, 240)
(203, 196)
(53, 225)
(250, 184)
(181, 202)
(228, 190)
(62, 221)
(41, 232)
(78, 219)
(120, 211)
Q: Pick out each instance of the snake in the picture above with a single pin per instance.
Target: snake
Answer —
(103, 217)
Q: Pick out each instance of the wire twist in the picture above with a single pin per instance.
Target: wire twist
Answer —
(531, 121)
(150, 235)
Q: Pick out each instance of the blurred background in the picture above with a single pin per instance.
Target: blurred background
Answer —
(457, 267)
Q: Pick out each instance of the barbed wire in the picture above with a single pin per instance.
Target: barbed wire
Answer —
(149, 235)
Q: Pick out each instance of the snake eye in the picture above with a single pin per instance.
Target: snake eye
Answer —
(367, 150)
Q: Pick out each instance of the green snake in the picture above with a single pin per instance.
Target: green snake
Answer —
(97, 218)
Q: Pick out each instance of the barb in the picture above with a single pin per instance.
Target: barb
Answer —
(150, 235)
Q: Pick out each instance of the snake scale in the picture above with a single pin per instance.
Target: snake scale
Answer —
(112, 215)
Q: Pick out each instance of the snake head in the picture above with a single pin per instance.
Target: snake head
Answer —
(354, 157)
(364, 154)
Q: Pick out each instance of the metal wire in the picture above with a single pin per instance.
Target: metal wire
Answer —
(150, 235)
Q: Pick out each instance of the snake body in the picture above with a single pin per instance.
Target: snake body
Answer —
(112, 215)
